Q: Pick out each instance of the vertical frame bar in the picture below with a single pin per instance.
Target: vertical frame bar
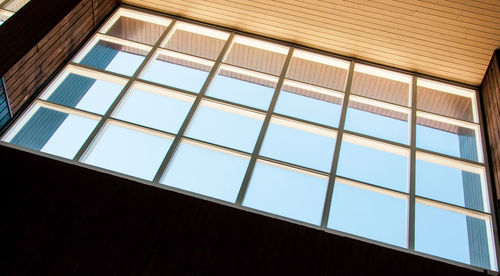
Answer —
(413, 154)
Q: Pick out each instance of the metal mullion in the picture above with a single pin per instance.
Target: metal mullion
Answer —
(146, 128)
(377, 139)
(166, 87)
(468, 124)
(363, 183)
(124, 91)
(123, 41)
(336, 152)
(215, 146)
(234, 104)
(452, 206)
(302, 121)
(413, 160)
(265, 124)
(68, 109)
(458, 159)
(194, 107)
(292, 166)
(383, 102)
(248, 69)
(99, 70)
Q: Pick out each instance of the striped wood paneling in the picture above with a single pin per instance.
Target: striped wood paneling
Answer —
(449, 39)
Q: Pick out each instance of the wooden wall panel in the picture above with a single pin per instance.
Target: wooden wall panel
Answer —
(448, 39)
(38, 60)
(490, 98)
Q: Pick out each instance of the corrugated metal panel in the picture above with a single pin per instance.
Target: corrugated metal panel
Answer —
(449, 39)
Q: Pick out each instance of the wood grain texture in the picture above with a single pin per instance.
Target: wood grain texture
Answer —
(448, 39)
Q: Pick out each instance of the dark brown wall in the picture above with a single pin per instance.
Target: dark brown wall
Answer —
(41, 37)
(490, 99)
(61, 219)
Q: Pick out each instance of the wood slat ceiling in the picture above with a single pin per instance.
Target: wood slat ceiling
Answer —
(451, 39)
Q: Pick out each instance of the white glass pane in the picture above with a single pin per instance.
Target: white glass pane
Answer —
(369, 214)
(224, 128)
(286, 193)
(154, 110)
(373, 166)
(449, 185)
(452, 235)
(242, 89)
(128, 151)
(308, 105)
(206, 171)
(299, 147)
(177, 73)
(85, 93)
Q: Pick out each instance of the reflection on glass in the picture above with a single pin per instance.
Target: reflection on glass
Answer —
(377, 121)
(447, 138)
(447, 100)
(287, 193)
(242, 89)
(448, 184)
(369, 214)
(15, 5)
(177, 72)
(309, 104)
(136, 30)
(305, 147)
(318, 70)
(206, 171)
(374, 166)
(85, 93)
(198, 41)
(114, 57)
(155, 110)
(257, 55)
(128, 151)
(53, 132)
(452, 235)
(226, 128)
(381, 84)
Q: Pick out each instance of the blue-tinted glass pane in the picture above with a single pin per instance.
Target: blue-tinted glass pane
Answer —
(369, 214)
(242, 89)
(207, 172)
(128, 151)
(154, 110)
(447, 139)
(377, 121)
(373, 166)
(224, 128)
(114, 57)
(449, 184)
(299, 147)
(286, 193)
(309, 105)
(177, 73)
(85, 93)
(54, 132)
(452, 235)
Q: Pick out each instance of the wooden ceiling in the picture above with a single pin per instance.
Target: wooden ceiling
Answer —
(452, 39)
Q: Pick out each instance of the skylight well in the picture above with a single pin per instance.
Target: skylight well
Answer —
(371, 153)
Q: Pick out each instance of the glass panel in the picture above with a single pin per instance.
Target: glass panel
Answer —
(450, 185)
(375, 120)
(291, 144)
(136, 30)
(257, 55)
(447, 138)
(308, 104)
(369, 214)
(453, 236)
(206, 171)
(381, 84)
(373, 166)
(15, 5)
(52, 131)
(114, 57)
(177, 72)
(441, 99)
(318, 70)
(197, 41)
(225, 128)
(163, 111)
(128, 151)
(84, 93)
(286, 193)
(243, 89)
